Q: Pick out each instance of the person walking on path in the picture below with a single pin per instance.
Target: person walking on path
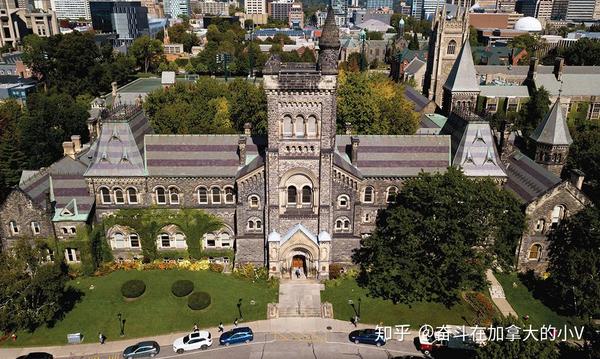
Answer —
(196, 329)
(101, 338)
(235, 322)
(221, 327)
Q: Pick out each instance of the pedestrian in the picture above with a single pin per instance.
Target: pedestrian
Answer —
(353, 321)
(14, 337)
(221, 327)
(297, 273)
(196, 328)
(101, 338)
(526, 317)
(235, 322)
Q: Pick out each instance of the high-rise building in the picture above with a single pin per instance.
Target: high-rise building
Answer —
(16, 23)
(71, 9)
(296, 16)
(127, 19)
(176, 8)
(212, 7)
(155, 8)
(580, 10)
(559, 9)
(425, 9)
(340, 9)
(377, 4)
(255, 7)
(280, 9)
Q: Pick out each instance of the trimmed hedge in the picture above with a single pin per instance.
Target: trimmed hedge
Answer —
(133, 288)
(199, 300)
(181, 288)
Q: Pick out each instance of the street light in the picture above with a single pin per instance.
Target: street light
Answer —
(363, 38)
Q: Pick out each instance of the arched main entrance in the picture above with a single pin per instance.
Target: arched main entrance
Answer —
(299, 266)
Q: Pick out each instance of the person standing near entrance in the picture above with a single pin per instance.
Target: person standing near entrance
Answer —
(297, 273)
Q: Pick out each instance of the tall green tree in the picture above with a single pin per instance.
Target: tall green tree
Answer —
(12, 159)
(438, 238)
(534, 111)
(248, 104)
(575, 262)
(414, 42)
(584, 154)
(146, 52)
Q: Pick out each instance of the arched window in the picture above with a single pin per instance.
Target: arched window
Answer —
(180, 240)
(105, 195)
(229, 196)
(535, 252)
(343, 201)
(342, 224)
(134, 240)
(216, 195)
(119, 240)
(253, 201)
(250, 224)
(451, 47)
(288, 126)
(306, 195)
(132, 195)
(119, 198)
(258, 224)
(202, 195)
(225, 239)
(558, 214)
(368, 197)
(292, 194)
(311, 126)
(347, 224)
(299, 126)
(339, 224)
(173, 195)
(165, 240)
(391, 194)
(161, 195)
(540, 225)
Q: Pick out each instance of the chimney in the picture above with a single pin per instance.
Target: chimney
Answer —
(577, 177)
(76, 140)
(68, 149)
(559, 64)
(348, 126)
(533, 63)
(114, 89)
(242, 149)
(355, 142)
(248, 129)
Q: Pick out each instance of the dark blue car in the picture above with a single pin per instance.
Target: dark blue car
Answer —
(368, 336)
(237, 335)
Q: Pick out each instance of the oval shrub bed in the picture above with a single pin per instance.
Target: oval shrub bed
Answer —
(198, 300)
(133, 288)
(181, 288)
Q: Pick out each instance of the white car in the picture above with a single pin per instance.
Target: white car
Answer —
(192, 341)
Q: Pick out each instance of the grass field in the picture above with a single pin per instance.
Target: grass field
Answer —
(375, 311)
(157, 311)
(524, 303)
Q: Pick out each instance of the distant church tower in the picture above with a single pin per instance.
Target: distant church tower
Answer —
(552, 140)
(448, 34)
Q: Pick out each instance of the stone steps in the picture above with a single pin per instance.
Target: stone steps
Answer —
(302, 312)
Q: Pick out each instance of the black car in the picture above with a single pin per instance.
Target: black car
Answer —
(368, 336)
(142, 349)
(36, 355)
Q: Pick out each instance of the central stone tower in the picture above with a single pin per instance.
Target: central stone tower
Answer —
(301, 100)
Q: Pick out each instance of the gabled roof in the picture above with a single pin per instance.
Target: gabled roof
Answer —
(301, 228)
(553, 130)
(415, 65)
(462, 77)
(416, 98)
(528, 179)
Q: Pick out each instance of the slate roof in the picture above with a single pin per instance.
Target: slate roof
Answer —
(504, 91)
(527, 179)
(330, 37)
(397, 156)
(120, 147)
(409, 55)
(414, 66)
(431, 124)
(67, 187)
(462, 77)
(553, 130)
(199, 155)
(573, 84)
(418, 100)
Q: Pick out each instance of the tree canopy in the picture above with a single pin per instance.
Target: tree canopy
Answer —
(574, 262)
(584, 154)
(147, 52)
(437, 239)
(534, 111)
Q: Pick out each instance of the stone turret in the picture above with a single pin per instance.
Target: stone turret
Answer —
(329, 46)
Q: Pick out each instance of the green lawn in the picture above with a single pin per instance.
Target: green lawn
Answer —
(524, 303)
(375, 311)
(157, 311)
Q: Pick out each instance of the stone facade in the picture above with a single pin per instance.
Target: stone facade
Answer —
(21, 217)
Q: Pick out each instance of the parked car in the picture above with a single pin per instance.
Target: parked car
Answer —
(196, 340)
(237, 335)
(142, 349)
(368, 336)
(36, 355)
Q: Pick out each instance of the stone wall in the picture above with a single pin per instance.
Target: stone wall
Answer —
(20, 208)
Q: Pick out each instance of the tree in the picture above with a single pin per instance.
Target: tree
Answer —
(584, 154)
(12, 160)
(528, 42)
(574, 262)
(517, 349)
(179, 34)
(534, 111)
(248, 103)
(473, 37)
(583, 53)
(374, 35)
(356, 102)
(437, 239)
(146, 51)
(414, 42)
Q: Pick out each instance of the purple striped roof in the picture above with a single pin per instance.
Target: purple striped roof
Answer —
(527, 179)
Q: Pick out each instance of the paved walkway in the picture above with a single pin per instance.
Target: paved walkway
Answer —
(281, 325)
(498, 297)
(299, 298)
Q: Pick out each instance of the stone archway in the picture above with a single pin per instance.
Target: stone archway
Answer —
(299, 252)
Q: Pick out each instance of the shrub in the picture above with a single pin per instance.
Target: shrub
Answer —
(216, 267)
(482, 306)
(335, 270)
(133, 288)
(181, 288)
(198, 300)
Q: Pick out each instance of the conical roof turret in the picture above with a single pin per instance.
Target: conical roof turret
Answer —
(330, 37)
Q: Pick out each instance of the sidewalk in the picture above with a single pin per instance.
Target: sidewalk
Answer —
(498, 297)
(280, 325)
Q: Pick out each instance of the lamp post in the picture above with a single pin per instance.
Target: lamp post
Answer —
(363, 38)
(121, 326)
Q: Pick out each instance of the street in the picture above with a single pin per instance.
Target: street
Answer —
(292, 345)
